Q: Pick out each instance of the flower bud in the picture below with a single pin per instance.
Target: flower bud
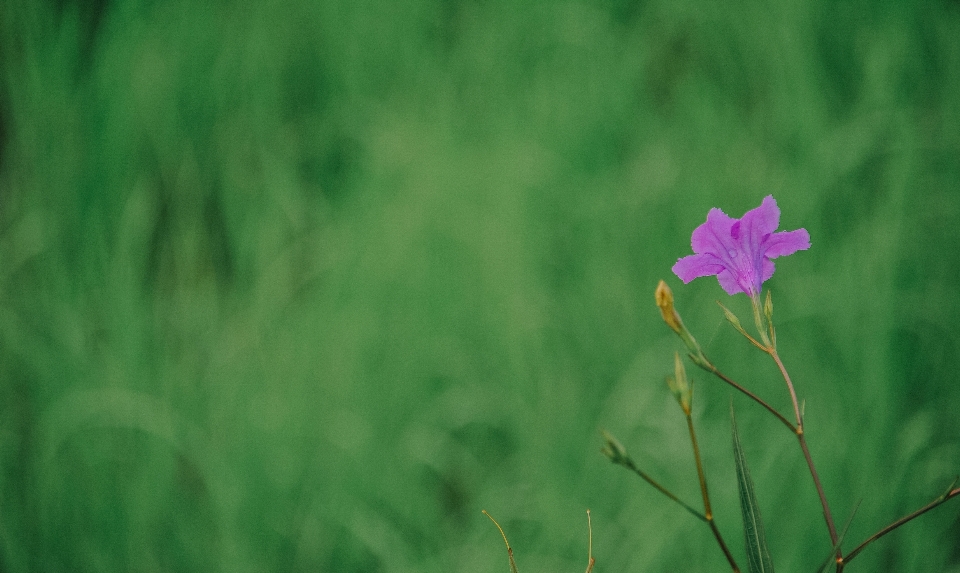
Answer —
(680, 385)
(614, 450)
(732, 318)
(664, 298)
(665, 301)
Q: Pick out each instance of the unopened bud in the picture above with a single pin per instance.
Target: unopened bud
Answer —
(665, 301)
(614, 450)
(680, 385)
(732, 319)
(664, 298)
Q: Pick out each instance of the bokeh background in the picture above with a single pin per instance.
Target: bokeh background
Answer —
(304, 286)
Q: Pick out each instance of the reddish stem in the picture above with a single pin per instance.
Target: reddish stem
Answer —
(940, 500)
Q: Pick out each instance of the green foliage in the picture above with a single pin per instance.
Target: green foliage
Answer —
(758, 556)
(304, 285)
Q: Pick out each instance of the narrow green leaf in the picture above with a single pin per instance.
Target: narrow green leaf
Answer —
(831, 559)
(758, 556)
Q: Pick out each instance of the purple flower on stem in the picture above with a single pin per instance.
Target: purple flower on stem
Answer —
(738, 251)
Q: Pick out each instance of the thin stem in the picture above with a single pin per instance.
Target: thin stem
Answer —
(754, 341)
(590, 559)
(793, 394)
(769, 346)
(630, 466)
(726, 552)
(700, 473)
(706, 496)
(732, 318)
(827, 516)
(713, 370)
(823, 497)
(940, 500)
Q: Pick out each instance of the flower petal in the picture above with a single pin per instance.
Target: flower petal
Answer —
(762, 220)
(714, 235)
(729, 282)
(768, 268)
(693, 266)
(738, 251)
(786, 243)
(755, 226)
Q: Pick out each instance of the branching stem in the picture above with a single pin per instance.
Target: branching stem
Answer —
(940, 500)
(645, 477)
(827, 516)
(771, 349)
(716, 372)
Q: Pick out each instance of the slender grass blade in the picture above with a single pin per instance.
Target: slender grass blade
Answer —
(758, 556)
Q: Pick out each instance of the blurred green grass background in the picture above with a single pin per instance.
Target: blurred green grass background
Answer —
(304, 286)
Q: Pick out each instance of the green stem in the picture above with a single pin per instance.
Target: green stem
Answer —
(630, 466)
(706, 497)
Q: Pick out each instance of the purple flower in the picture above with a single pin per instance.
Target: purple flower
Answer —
(738, 251)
